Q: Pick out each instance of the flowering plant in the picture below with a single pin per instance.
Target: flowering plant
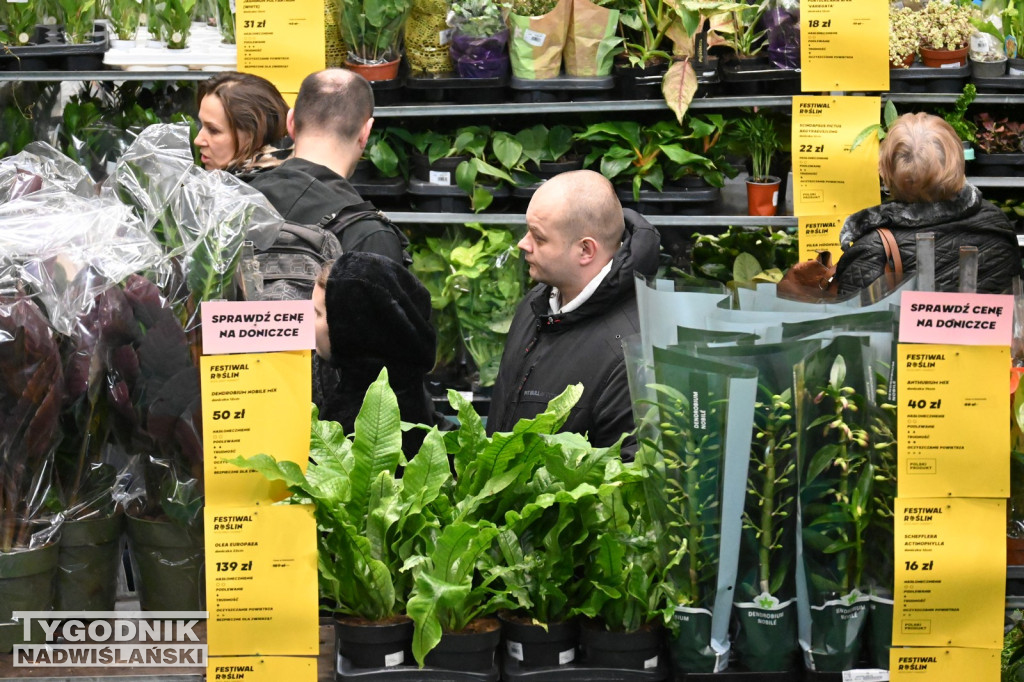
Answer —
(903, 36)
(945, 26)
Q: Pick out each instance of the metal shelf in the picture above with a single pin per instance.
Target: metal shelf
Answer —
(414, 218)
(106, 75)
(984, 181)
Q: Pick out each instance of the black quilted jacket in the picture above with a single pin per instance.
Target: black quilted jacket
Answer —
(966, 220)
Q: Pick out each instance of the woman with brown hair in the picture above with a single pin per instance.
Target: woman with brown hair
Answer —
(243, 118)
(921, 163)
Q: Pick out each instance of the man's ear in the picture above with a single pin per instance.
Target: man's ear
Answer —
(289, 123)
(364, 133)
(588, 250)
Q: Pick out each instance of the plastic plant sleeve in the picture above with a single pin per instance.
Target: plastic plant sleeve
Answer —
(833, 389)
(665, 304)
(54, 168)
(782, 21)
(31, 393)
(591, 43)
(536, 43)
(698, 450)
(426, 38)
(476, 57)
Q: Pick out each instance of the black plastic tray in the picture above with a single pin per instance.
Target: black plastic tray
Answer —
(512, 671)
(430, 198)
(344, 671)
(388, 92)
(451, 86)
(997, 165)
(742, 676)
(53, 54)
(697, 201)
(921, 78)
(1003, 83)
(561, 88)
(758, 79)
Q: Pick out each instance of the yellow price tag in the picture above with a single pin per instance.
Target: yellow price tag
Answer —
(253, 403)
(261, 669)
(943, 665)
(261, 581)
(281, 40)
(830, 178)
(950, 572)
(844, 45)
(819, 233)
(952, 426)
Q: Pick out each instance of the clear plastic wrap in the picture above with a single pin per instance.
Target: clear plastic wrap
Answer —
(782, 21)
(52, 167)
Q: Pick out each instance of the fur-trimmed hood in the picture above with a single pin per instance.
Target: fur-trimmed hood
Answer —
(910, 215)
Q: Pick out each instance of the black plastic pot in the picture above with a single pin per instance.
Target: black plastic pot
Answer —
(472, 650)
(374, 645)
(549, 169)
(89, 558)
(998, 165)
(431, 198)
(535, 646)
(637, 650)
(756, 76)
(634, 82)
(700, 200)
(434, 173)
(167, 564)
(920, 78)
(26, 584)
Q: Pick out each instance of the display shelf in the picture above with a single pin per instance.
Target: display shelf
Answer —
(982, 181)
(105, 75)
(413, 218)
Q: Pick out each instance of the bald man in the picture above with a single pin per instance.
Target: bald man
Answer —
(584, 250)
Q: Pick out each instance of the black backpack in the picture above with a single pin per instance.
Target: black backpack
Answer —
(350, 215)
(293, 262)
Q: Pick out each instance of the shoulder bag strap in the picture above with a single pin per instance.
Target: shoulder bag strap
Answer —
(893, 260)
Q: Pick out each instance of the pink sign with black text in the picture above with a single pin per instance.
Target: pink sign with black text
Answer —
(257, 326)
(956, 319)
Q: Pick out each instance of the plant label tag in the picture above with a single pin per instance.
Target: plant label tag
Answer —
(535, 38)
(651, 662)
(1017, 72)
(567, 656)
(515, 649)
(18, 2)
(391, 660)
(440, 178)
(979, 44)
(866, 675)
(952, 65)
(444, 37)
(775, 198)
(231, 3)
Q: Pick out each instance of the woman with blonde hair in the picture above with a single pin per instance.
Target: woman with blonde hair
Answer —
(921, 163)
(243, 119)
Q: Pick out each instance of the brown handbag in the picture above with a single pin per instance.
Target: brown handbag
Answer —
(893, 260)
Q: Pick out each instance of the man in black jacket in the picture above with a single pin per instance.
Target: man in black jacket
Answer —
(330, 124)
(584, 249)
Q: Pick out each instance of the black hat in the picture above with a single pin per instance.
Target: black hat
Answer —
(377, 311)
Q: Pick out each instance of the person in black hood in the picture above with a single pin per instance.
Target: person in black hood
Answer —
(371, 313)
(584, 250)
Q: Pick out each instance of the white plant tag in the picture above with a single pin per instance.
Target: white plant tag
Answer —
(1017, 72)
(391, 660)
(775, 198)
(515, 649)
(440, 178)
(444, 37)
(953, 65)
(866, 675)
(651, 663)
(535, 38)
(567, 656)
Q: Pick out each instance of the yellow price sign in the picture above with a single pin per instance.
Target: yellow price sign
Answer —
(950, 572)
(819, 233)
(253, 403)
(281, 40)
(260, 669)
(943, 664)
(261, 580)
(844, 45)
(830, 178)
(951, 422)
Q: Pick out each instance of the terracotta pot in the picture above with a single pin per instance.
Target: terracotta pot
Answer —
(763, 197)
(946, 58)
(907, 62)
(376, 72)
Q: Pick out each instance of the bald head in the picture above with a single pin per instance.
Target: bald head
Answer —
(336, 102)
(586, 207)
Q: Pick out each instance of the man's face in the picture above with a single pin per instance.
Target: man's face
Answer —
(548, 253)
(323, 338)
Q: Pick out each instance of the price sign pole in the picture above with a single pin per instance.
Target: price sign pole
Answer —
(950, 513)
(261, 574)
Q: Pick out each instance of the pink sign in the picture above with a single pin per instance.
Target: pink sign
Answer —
(956, 319)
(257, 326)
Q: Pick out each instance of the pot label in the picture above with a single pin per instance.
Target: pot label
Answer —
(651, 662)
(951, 65)
(775, 198)
(514, 649)
(444, 37)
(440, 178)
(567, 656)
(391, 660)
(535, 38)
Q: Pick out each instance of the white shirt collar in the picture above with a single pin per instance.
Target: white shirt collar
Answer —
(583, 297)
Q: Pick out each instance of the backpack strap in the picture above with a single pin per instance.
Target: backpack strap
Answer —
(893, 259)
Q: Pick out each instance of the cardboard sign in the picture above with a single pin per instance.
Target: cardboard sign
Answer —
(261, 581)
(943, 664)
(844, 45)
(281, 40)
(950, 572)
(964, 319)
(257, 326)
(829, 177)
(261, 669)
(253, 404)
(952, 427)
(819, 233)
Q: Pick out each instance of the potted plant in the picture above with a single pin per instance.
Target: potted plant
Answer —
(173, 21)
(758, 136)
(125, 17)
(78, 17)
(226, 21)
(945, 30)
(539, 29)
(426, 39)
(479, 41)
(593, 40)
(1006, 34)
(372, 30)
(999, 145)
(19, 23)
(904, 37)
(534, 154)
(956, 118)
(742, 32)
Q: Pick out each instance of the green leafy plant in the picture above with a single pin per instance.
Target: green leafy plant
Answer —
(386, 151)
(175, 21)
(955, 117)
(741, 252)
(78, 17)
(125, 17)
(998, 136)
(758, 136)
(880, 534)
(741, 32)
(945, 25)
(532, 8)
(1012, 25)
(226, 21)
(19, 22)
(520, 155)
(904, 38)
(478, 18)
(372, 29)
(889, 116)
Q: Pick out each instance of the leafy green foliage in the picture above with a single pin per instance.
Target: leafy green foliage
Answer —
(522, 153)
(19, 22)
(125, 16)
(758, 135)
(955, 117)
(741, 33)
(175, 20)
(78, 17)
(372, 29)
(718, 257)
